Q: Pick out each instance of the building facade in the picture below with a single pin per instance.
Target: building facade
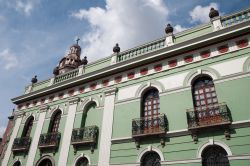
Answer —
(183, 99)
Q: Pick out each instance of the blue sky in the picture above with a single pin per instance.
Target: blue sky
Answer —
(35, 34)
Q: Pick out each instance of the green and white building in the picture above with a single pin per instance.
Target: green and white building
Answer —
(181, 100)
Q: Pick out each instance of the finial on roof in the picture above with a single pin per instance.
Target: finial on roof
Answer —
(84, 61)
(169, 29)
(34, 80)
(213, 13)
(116, 48)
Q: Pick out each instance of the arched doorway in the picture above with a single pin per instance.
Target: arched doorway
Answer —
(46, 161)
(214, 155)
(151, 159)
(17, 163)
(83, 161)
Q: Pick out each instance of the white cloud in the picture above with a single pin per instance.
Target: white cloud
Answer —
(128, 23)
(179, 28)
(201, 14)
(2, 130)
(8, 59)
(24, 6)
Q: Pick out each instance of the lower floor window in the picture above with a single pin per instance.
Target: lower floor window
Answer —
(151, 159)
(82, 162)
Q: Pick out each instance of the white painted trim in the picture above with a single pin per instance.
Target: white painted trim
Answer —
(82, 155)
(213, 142)
(169, 162)
(239, 157)
(13, 136)
(107, 127)
(35, 139)
(66, 138)
(150, 148)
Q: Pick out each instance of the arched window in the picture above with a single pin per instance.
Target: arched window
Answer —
(28, 127)
(55, 121)
(90, 107)
(83, 161)
(17, 163)
(151, 109)
(204, 94)
(151, 159)
(214, 155)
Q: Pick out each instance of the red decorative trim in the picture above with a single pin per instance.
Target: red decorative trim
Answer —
(242, 43)
(51, 98)
(35, 102)
(172, 63)
(60, 95)
(82, 89)
(118, 79)
(144, 71)
(43, 100)
(131, 75)
(71, 92)
(188, 58)
(205, 54)
(158, 67)
(93, 86)
(105, 82)
(223, 49)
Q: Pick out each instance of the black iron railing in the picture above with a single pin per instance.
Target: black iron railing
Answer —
(86, 135)
(212, 115)
(21, 144)
(49, 140)
(145, 126)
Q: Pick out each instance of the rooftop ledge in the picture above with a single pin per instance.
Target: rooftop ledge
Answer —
(233, 25)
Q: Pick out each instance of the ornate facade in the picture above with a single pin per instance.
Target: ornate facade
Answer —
(179, 100)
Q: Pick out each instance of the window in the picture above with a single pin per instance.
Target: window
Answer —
(17, 163)
(28, 127)
(82, 162)
(45, 162)
(55, 122)
(151, 159)
(204, 94)
(151, 109)
(214, 156)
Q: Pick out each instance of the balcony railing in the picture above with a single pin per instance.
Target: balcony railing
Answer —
(49, 140)
(21, 144)
(148, 126)
(84, 136)
(213, 115)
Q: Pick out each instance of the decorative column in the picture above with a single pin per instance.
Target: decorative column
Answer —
(18, 120)
(63, 157)
(35, 139)
(215, 19)
(107, 125)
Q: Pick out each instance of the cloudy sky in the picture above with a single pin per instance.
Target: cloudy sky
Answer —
(35, 34)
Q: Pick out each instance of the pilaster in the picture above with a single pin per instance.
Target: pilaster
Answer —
(18, 119)
(68, 132)
(107, 125)
(35, 140)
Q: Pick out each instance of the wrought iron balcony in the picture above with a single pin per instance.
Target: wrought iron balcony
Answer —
(21, 144)
(84, 136)
(212, 115)
(148, 126)
(49, 140)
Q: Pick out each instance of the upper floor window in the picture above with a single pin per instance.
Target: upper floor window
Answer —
(204, 94)
(55, 121)
(151, 103)
(214, 155)
(28, 127)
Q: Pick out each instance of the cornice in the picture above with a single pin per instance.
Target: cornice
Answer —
(174, 50)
